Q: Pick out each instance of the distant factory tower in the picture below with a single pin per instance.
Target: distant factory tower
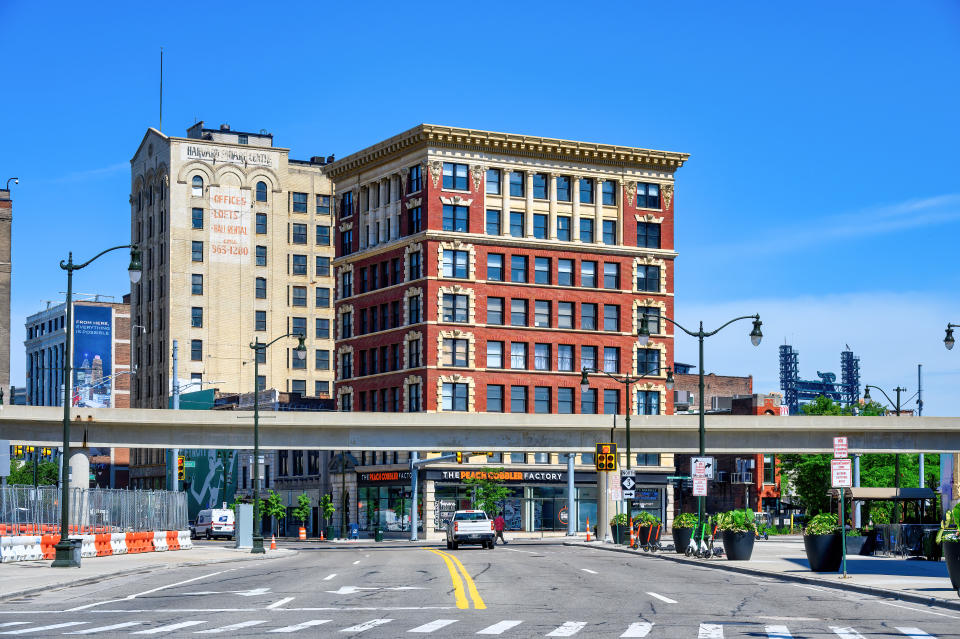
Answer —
(797, 392)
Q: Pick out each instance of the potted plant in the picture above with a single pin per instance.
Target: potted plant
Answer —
(855, 540)
(648, 527)
(949, 536)
(739, 530)
(682, 530)
(821, 542)
(620, 529)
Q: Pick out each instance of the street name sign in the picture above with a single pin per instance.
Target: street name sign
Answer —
(702, 467)
(840, 447)
(841, 473)
(699, 486)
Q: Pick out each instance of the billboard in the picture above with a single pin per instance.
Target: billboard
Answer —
(92, 356)
(229, 225)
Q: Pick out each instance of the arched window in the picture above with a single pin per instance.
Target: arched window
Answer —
(261, 191)
(197, 190)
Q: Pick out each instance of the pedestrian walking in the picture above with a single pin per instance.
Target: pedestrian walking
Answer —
(498, 525)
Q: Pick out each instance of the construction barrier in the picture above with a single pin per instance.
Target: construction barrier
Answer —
(47, 543)
(88, 547)
(173, 543)
(160, 541)
(185, 542)
(103, 544)
(118, 543)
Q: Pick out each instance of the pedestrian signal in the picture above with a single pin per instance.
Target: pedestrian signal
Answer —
(606, 457)
(180, 471)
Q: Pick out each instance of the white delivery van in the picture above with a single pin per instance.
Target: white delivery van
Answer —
(215, 522)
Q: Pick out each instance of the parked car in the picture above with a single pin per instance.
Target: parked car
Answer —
(470, 527)
(215, 522)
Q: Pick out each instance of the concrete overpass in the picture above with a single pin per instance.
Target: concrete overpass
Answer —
(150, 428)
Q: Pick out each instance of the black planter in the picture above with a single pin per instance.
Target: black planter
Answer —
(824, 552)
(855, 544)
(621, 534)
(951, 551)
(654, 535)
(681, 538)
(738, 546)
(870, 544)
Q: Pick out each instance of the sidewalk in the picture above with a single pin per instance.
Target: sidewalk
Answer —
(26, 577)
(919, 581)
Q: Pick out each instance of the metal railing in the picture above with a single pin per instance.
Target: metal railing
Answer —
(25, 510)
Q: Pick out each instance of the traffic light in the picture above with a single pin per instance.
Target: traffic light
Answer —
(606, 457)
(180, 473)
(18, 451)
(482, 452)
(459, 457)
(47, 451)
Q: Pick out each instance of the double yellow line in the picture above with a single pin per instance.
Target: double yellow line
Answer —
(458, 591)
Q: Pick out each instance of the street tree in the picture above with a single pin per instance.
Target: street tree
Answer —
(21, 473)
(273, 506)
(489, 491)
(302, 512)
(327, 509)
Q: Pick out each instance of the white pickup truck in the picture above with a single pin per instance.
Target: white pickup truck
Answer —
(470, 527)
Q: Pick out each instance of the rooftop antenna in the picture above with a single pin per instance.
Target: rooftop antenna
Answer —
(161, 90)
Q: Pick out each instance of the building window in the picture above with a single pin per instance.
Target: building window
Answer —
(261, 192)
(495, 310)
(415, 221)
(769, 469)
(346, 365)
(322, 329)
(565, 272)
(321, 389)
(541, 313)
(299, 295)
(196, 189)
(413, 397)
(565, 401)
(518, 355)
(588, 274)
(565, 314)
(494, 354)
(323, 235)
(518, 312)
(455, 308)
(242, 138)
(323, 297)
(323, 205)
(611, 317)
(455, 218)
(454, 397)
(493, 181)
(455, 352)
(414, 178)
(415, 265)
(518, 268)
(322, 266)
(455, 263)
(197, 218)
(516, 224)
(261, 386)
(494, 398)
(494, 267)
(588, 357)
(196, 284)
(541, 399)
(346, 242)
(611, 359)
(261, 224)
(541, 270)
(563, 228)
(346, 284)
(610, 193)
(455, 176)
(563, 188)
(648, 278)
(260, 288)
(196, 317)
(518, 399)
(586, 230)
(586, 191)
(261, 256)
(299, 264)
(541, 357)
(648, 235)
(414, 353)
(196, 251)
(648, 361)
(611, 275)
(299, 202)
(648, 402)
(493, 222)
(539, 186)
(611, 401)
(299, 234)
(516, 184)
(564, 357)
(346, 204)
(259, 320)
(321, 359)
(196, 350)
(651, 315)
(413, 309)
(648, 196)
(609, 232)
(588, 316)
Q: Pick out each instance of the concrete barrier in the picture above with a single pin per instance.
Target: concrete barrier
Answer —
(160, 541)
(118, 543)
(184, 538)
(34, 551)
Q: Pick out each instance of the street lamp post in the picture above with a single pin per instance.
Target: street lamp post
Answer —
(258, 347)
(897, 406)
(755, 337)
(64, 549)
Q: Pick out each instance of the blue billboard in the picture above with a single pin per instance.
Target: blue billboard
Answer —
(92, 356)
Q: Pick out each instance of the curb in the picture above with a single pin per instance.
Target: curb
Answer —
(755, 572)
(138, 570)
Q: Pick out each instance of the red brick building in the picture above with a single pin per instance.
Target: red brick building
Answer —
(481, 271)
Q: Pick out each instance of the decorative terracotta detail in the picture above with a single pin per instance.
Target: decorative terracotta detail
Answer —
(436, 170)
(477, 170)
(667, 190)
(631, 192)
(456, 200)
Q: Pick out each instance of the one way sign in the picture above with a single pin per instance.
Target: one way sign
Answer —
(628, 484)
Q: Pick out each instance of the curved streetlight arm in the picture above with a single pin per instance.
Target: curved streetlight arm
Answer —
(625, 379)
(70, 266)
(897, 406)
(702, 333)
(258, 344)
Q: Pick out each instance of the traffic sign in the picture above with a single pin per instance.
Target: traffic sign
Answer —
(629, 494)
(699, 486)
(628, 483)
(702, 467)
(616, 494)
(841, 473)
(190, 464)
(840, 447)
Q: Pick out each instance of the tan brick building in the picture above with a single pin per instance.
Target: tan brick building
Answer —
(6, 240)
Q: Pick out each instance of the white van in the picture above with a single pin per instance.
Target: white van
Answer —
(216, 522)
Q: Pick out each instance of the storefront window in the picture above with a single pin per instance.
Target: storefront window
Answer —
(518, 458)
(387, 507)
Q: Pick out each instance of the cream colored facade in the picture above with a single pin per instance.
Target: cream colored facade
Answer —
(237, 181)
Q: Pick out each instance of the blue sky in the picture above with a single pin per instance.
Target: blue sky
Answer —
(822, 190)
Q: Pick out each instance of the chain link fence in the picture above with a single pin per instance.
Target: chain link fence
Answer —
(25, 510)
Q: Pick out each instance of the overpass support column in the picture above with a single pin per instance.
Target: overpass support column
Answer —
(80, 468)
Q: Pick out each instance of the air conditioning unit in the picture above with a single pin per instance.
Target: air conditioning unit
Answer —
(742, 478)
(722, 476)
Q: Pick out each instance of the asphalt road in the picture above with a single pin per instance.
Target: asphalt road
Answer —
(522, 590)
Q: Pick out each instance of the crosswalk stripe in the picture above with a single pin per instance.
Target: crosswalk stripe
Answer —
(568, 629)
(710, 631)
(233, 626)
(302, 626)
(778, 632)
(23, 631)
(499, 627)
(13, 623)
(661, 597)
(99, 629)
(366, 625)
(846, 633)
(638, 629)
(168, 628)
(915, 633)
(433, 625)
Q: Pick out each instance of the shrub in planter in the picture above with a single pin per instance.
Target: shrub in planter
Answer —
(821, 542)
(648, 527)
(620, 528)
(683, 526)
(855, 541)
(739, 531)
(949, 536)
